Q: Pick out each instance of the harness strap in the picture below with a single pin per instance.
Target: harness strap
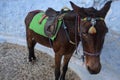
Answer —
(80, 34)
(68, 37)
(90, 54)
(77, 28)
(89, 18)
(51, 43)
(43, 17)
(61, 16)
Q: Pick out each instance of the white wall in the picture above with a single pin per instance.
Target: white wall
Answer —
(12, 29)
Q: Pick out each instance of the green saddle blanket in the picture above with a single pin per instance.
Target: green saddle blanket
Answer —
(39, 27)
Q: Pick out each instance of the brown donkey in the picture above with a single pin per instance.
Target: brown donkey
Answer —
(82, 24)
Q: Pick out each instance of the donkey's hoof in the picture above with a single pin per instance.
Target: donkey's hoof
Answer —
(62, 79)
(32, 59)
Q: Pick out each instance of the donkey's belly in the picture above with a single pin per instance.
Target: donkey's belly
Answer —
(41, 39)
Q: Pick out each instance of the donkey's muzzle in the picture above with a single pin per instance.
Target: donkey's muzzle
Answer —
(94, 69)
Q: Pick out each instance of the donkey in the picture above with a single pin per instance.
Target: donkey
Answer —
(92, 32)
(81, 24)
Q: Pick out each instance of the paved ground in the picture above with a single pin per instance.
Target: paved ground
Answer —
(15, 66)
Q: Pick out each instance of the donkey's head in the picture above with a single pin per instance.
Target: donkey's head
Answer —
(92, 31)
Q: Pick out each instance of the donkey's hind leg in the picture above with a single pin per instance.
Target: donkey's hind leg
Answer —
(31, 53)
(31, 44)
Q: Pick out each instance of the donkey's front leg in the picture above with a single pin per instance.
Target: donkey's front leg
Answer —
(65, 66)
(57, 65)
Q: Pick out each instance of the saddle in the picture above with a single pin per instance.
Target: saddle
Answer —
(51, 25)
(47, 23)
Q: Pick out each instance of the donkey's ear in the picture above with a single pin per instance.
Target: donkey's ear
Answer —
(105, 9)
(77, 9)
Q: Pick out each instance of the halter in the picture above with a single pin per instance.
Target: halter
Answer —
(77, 21)
(93, 22)
(91, 19)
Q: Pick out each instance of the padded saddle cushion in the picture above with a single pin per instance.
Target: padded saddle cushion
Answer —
(48, 27)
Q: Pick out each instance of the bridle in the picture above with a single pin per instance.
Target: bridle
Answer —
(93, 22)
(78, 29)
